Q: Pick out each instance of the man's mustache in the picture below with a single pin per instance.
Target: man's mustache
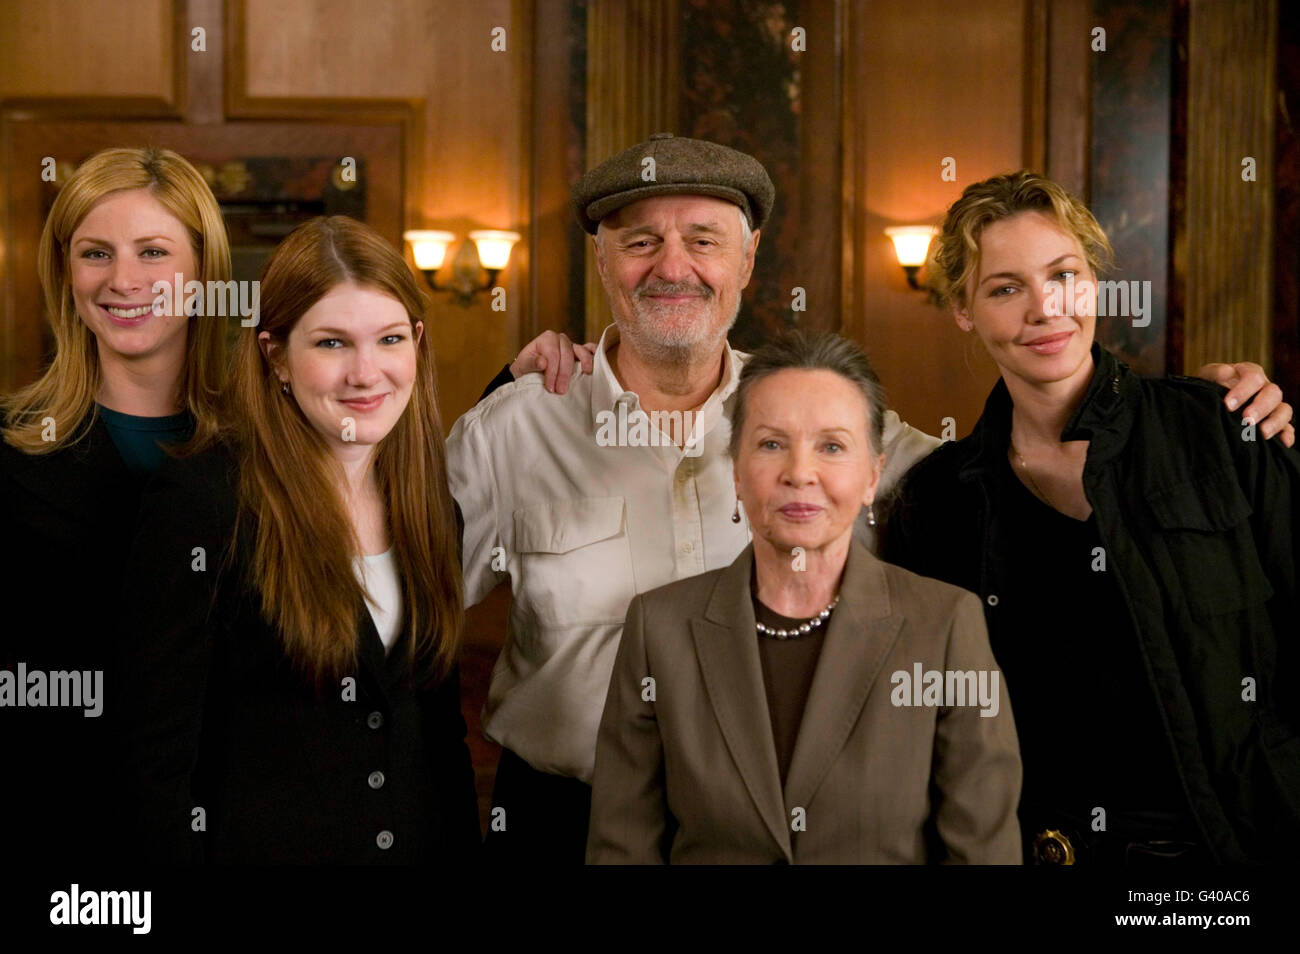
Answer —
(674, 288)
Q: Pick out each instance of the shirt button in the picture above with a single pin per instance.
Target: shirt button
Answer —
(384, 840)
(376, 780)
(993, 599)
(375, 720)
(687, 547)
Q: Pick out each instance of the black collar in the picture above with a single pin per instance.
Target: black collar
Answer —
(1104, 417)
(78, 480)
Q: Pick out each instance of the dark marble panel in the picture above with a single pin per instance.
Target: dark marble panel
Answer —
(741, 86)
(1132, 91)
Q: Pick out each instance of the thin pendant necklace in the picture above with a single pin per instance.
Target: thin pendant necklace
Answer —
(1033, 484)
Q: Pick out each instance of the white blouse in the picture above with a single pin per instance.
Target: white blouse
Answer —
(378, 574)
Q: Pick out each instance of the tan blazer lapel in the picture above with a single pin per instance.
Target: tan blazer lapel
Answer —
(726, 645)
(862, 633)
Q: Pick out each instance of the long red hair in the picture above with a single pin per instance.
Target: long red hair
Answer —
(291, 484)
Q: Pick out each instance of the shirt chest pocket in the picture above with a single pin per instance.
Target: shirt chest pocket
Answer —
(575, 560)
(1205, 528)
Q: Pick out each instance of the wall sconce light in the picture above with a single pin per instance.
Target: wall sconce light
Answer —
(911, 243)
(429, 247)
(489, 252)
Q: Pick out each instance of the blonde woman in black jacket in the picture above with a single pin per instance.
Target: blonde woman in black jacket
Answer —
(78, 446)
(1136, 547)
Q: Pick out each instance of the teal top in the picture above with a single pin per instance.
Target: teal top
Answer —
(137, 438)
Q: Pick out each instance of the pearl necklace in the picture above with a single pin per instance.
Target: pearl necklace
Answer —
(803, 628)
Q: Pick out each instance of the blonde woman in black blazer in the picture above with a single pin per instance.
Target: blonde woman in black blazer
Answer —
(77, 447)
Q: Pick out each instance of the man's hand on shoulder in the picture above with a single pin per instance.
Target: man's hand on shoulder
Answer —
(553, 354)
(1245, 381)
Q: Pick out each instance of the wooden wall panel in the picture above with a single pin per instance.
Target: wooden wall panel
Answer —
(926, 80)
(820, 233)
(557, 148)
(1286, 264)
(52, 49)
(1231, 84)
(340, 47)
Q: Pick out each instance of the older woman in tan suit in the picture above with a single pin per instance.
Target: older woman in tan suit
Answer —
(808, 703)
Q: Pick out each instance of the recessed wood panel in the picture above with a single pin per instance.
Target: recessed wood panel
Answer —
(69, 48)
(341, 47)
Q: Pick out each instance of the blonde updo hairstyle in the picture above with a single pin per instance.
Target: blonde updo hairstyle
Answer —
(954, 255)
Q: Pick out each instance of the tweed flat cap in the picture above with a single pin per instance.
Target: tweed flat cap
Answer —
(680, 166)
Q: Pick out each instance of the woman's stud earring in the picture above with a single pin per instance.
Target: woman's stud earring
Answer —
(284, 387)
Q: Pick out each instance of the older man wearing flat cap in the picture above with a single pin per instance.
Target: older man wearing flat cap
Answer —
(621, 484)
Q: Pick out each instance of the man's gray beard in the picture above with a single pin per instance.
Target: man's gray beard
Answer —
(671, 354)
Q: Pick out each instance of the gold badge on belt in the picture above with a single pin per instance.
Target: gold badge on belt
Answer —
(1053, 848)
